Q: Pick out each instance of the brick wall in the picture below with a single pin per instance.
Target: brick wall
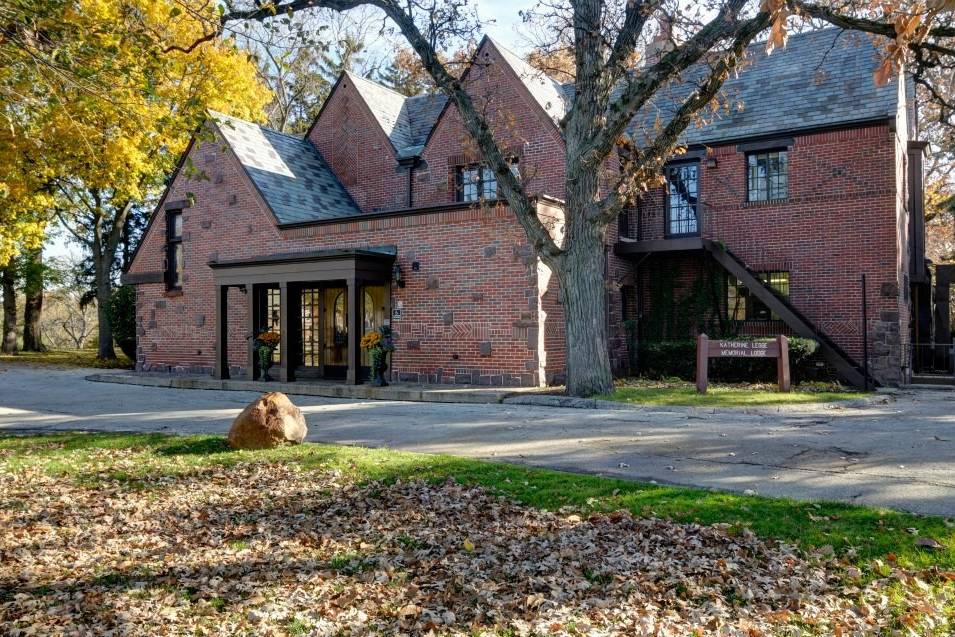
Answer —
(482, 308)
(469, 312)
(843, 218)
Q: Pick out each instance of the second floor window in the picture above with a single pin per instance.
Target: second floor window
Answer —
(682, 199)
(767, 176)
(174, 262)
(477, 182)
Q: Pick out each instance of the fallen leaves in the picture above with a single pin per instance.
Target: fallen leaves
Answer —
(269, 549)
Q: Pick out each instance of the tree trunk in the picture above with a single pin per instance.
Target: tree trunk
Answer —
(9, 343)
(104, 290)
(33, 301)
(580, 273)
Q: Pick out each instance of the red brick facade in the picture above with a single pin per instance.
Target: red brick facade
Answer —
(479, 307)
(842, 219)
(471, 312)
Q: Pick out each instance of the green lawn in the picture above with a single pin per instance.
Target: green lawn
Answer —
(681, 393)
(67, 358)
(860, 534)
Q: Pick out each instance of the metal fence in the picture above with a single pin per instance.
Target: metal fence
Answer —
(931, 358)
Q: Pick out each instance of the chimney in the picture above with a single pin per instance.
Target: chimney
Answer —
(662, 41)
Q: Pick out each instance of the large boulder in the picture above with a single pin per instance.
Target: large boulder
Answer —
(271, 420)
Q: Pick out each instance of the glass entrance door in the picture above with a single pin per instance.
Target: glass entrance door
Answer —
(335, 332)
(324, 332)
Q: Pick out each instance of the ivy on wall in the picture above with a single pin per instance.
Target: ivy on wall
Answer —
(677, 313)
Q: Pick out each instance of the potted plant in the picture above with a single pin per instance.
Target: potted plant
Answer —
(378, 343)
(265, 343)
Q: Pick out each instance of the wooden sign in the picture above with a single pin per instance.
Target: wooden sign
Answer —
(707, 349)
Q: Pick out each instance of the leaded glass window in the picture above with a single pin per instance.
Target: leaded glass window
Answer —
(477, 182)
(742, 305)
(767, 176)
(682, 199)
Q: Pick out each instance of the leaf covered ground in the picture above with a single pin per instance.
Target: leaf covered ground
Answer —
(184, 538)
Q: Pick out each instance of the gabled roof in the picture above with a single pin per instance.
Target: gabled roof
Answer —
(406, 121)
(547, 92)
(289, 172)
(821, 78)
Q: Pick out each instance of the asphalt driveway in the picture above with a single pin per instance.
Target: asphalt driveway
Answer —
(900, 454)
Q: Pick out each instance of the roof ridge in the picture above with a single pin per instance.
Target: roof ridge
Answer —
(378, 84)
(212, 111)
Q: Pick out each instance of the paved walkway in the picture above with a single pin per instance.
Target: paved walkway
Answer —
(900, 454)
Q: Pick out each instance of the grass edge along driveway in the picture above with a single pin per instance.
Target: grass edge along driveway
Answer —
(869, 537)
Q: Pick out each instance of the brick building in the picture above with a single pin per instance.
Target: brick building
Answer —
(808, 179)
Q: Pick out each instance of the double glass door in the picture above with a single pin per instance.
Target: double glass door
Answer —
(324, 326)
(324, 334)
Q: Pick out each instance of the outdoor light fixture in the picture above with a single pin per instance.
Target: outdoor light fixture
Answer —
(415, 266)
(711, 162)
(396, 275)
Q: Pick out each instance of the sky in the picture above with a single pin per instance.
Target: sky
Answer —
(507, 23)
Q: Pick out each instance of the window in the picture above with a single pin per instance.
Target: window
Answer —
(682, 199)
(767, 176)
(273, 317)
(743, 306)
(477, 182)
(311, 347)
(174, 250)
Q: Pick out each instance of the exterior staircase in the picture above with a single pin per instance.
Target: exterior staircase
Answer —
(845, 366)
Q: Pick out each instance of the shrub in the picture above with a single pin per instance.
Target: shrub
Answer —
(121, 312)
(666, 359)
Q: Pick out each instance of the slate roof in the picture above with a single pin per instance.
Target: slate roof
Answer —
(821, 78)
(407, 121)
(290, 173)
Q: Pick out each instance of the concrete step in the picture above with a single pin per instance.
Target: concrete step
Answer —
(932, 381)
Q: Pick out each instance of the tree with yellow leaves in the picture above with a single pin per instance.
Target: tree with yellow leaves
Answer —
(100, 99)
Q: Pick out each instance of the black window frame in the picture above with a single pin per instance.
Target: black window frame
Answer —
(486, 184)
(693, 205)
(768, 178)
(754, 309)
(172, 274)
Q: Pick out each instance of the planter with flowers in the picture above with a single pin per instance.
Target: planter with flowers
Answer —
(378, 343)
(265, 343)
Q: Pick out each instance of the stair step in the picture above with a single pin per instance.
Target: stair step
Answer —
(934, 380)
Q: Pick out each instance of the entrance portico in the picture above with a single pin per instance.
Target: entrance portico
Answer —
(319, 302)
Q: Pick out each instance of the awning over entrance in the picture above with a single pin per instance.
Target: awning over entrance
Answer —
(351, 267)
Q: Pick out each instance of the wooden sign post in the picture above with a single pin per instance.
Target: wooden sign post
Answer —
(707, 349)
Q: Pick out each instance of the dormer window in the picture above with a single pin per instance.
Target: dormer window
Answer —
(173, 269)
(477, 182)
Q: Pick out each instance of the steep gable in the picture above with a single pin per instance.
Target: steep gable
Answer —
(290, 173)
(406, 121)
(547, 92)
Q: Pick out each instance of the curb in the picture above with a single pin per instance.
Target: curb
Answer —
(879, 398)
(464, 395)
